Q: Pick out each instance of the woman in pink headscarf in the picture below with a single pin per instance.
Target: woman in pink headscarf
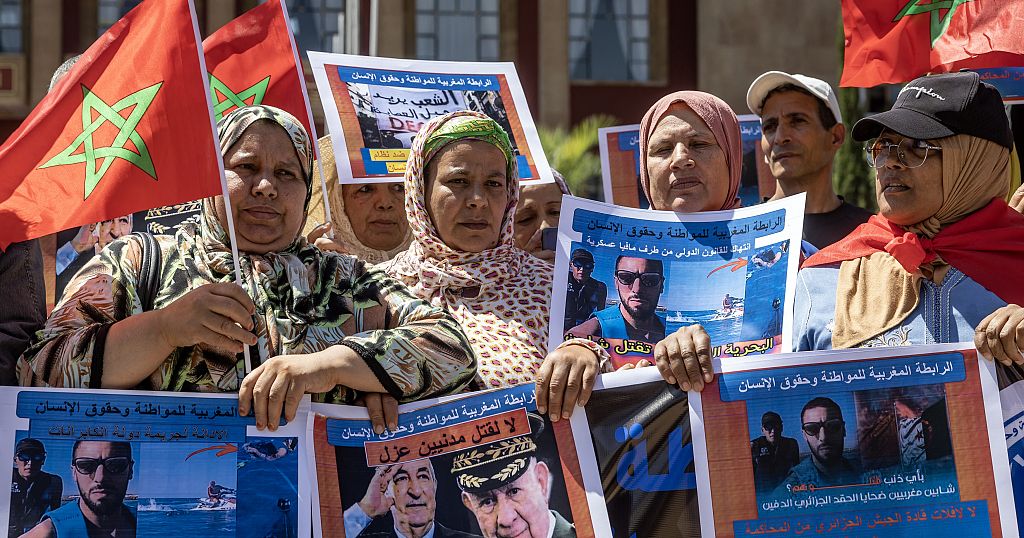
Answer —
(690, 161)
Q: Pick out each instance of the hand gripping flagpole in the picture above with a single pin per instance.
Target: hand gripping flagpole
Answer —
(220, 168)
(309, 116)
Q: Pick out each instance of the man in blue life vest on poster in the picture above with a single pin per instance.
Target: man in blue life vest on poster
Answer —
(33, 490)
(639, 283)
(102, 470)
(824, 431)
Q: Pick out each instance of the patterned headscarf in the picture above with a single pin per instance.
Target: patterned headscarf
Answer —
(285, 285)
(723, 124)
(506, 320)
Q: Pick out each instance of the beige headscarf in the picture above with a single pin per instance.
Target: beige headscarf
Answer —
(877, 292)
(343, 232)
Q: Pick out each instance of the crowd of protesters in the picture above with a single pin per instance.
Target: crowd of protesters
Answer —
(441, 284)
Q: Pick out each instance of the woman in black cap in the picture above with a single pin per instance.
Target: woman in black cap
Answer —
(930, 267)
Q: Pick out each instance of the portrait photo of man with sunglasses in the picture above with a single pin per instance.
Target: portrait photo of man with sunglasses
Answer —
(33, 490)
(102, 471)
(639, 283)
(824, 431)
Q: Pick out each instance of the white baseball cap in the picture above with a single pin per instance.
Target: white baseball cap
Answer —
(773, 79)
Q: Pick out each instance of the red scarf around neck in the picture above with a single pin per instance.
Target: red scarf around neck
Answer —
(987, 245)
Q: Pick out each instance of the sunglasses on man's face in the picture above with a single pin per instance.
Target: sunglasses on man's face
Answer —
(647, 280)
(115, 465)
(832, 427)
(586, 266)
(26, 457)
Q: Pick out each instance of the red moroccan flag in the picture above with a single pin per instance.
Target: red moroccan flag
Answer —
(894, 41)
(129, 128)
(252, 61)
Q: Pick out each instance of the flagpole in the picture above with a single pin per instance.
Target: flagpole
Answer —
(220, 168)
(309, 116)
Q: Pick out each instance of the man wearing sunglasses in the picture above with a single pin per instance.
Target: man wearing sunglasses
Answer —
(824, 431)
(639, 283)
(584, 293)
(33, 491)
(102, 470)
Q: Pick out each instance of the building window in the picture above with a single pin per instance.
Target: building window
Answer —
(609, 40)
(10, 26)
(318, 25)
(457, 30)
(111, 11)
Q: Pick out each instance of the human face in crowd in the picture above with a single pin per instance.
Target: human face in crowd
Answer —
(824, 431)
(29, 463)
(907, 196)
(581, 269)
(686, 166)
(377, 213)
(414, 490)
(104, 488)
(795, 143)
(517, 509)
(467, 194)
(539, 207)
(267, 188)
(639, 294)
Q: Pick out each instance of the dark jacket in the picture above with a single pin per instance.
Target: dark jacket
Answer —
(582, 299)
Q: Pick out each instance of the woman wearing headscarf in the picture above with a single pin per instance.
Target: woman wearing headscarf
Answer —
(461, 191)
(315, 322)
(368, 219)
(539, 207)
(690, 161)
(931, 266)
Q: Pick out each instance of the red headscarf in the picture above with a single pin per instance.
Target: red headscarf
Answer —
(723, 124)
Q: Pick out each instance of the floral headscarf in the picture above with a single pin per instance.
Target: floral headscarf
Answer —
(506, 319)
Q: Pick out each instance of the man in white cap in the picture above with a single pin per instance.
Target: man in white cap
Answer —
(801, 131)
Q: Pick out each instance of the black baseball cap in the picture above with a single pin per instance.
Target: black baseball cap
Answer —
(771, 418)
(29, 445)
(582, 255)
(938, 106)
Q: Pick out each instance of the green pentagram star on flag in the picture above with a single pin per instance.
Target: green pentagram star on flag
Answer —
(939, 24)
(139, 102)
(231, 99)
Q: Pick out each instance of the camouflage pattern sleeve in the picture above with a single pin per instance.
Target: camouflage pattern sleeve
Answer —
(416, 350)
(101, 294)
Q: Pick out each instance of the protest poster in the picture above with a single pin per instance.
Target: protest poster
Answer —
(1008, 80)
(637, 275)
(619, 148)
(152, 464)
(636, 455)
(756, 182)
(450, 467)
(888, 442)
(67, 251)
(1011, 395)
(375, 106)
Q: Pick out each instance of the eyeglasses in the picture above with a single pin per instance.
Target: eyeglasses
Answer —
(647, 280)
(88, 466)
(832, 427)
(910, 152)
(26, 457)
(586, 266)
